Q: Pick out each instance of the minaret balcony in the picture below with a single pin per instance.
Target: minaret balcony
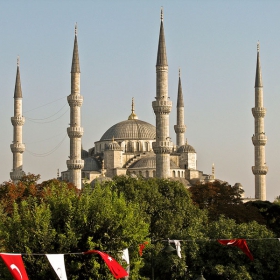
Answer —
(18, 120)
(75, 100)
(180, 128)
(16, 175)
(17, 148)
(259, 140)
(75, 131)
(162, 107)
(258, 112)
(259, 170)
(75, 164)
(162, 147)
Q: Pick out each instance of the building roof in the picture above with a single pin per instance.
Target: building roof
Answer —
(132, 129)
(186, 149)
(149, 162)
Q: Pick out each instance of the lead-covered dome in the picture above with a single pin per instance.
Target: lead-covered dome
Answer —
(150, 162)
(130, 129)
(186, 148)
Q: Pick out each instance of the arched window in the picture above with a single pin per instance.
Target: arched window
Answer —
(147, 174)
(174, 173)
(147, 146)
(138, 146)
(179, 174)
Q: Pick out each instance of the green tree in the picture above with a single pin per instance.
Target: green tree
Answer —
(65, 220)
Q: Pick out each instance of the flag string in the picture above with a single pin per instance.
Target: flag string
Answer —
(152, 242)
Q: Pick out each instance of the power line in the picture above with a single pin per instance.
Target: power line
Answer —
(49, 152)
(44, 105)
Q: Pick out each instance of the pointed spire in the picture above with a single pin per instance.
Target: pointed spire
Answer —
(18, 92)
(132, 116)
(258, 80)
(180, 99)
(75, 60)
(161, 55)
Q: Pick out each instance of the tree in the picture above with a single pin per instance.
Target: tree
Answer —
(223, 199)
(64, 220)
(168, 208)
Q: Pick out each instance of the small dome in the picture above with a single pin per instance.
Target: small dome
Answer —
(130, 129)
(91, 164)
(149, 162)
(113, 146)
(186, 148)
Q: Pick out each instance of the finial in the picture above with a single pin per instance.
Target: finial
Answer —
(258, 46)
(179, 72)
(76, 29)
(132, 116)
(161, 14)
(57, 174)
(113, 139)
(132, 106)
(18, 61)
(186, 141)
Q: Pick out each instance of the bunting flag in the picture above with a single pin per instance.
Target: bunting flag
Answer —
(178, 247)
(15, 265)
(125, 255)
(142, 247)
(240, 243)
(57, 262)
(116, 269)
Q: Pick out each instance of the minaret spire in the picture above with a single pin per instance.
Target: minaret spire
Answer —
(162, 108)
(259, 139)
(161, 55)
(180, 127)
(17, 147)
(75, 131)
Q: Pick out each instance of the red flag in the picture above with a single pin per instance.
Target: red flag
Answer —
(240, 243)
(15, 265)
(142, 247)
(117, 270)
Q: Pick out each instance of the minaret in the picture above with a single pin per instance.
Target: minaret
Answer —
(259, 139)
(17, 121)
(75, 131)
(180, 127)
(162, 107)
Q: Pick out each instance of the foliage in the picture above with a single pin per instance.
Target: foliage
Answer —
(223, 199)
(64, 220)
(55, 217)
(229, 262)
(270, 213)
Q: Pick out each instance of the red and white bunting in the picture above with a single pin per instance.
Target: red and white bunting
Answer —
(15, 265)
(58, 264)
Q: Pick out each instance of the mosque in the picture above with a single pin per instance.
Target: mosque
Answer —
(134, 147)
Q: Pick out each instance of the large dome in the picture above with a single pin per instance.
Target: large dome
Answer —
(129, 130)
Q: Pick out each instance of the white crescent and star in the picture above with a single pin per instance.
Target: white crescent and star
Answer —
(13, 266)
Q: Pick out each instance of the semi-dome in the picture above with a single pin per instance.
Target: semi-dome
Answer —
(130, 130)
(186, 148)
(150, 162)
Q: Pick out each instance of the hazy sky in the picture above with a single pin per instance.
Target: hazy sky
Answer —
(213, 42)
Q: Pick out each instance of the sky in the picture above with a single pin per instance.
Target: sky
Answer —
(213, 42)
